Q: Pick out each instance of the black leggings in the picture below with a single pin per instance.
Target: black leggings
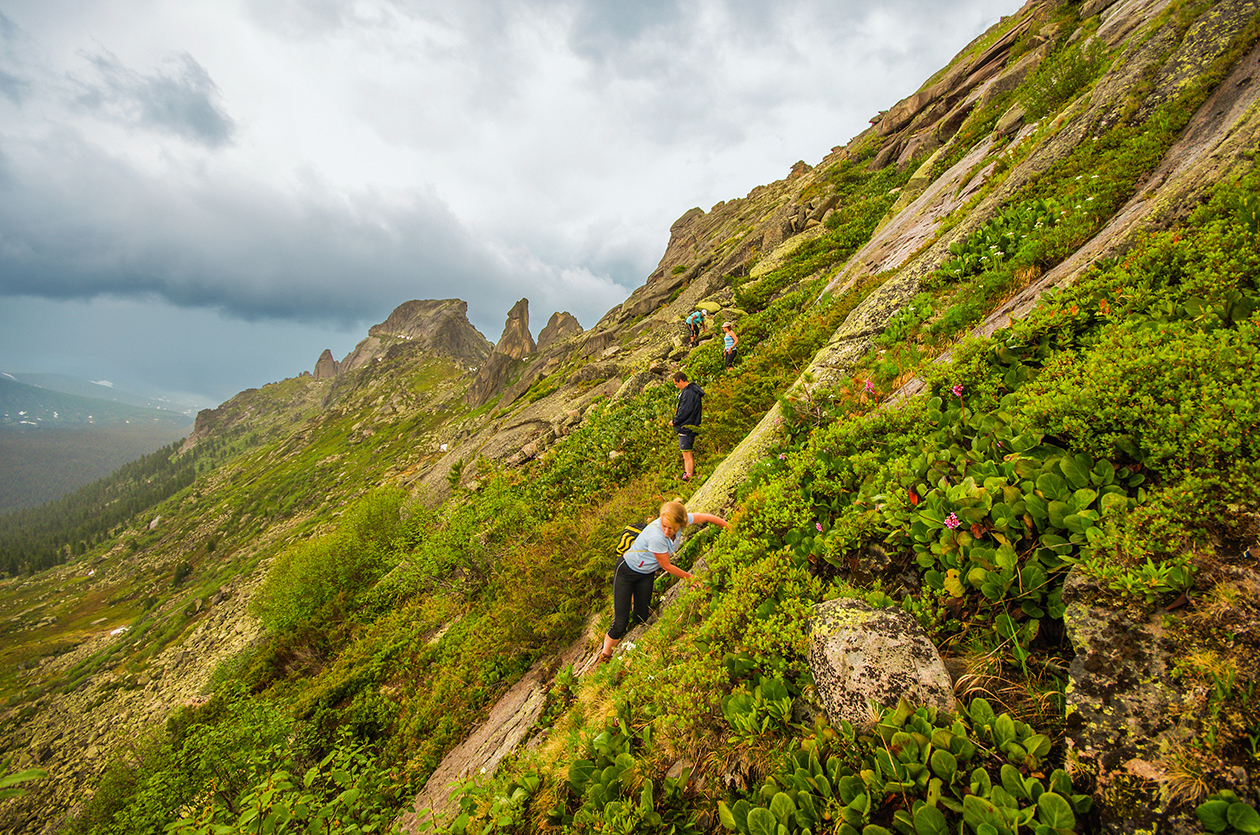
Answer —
(632, 592)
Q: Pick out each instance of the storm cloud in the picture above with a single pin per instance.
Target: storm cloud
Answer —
(307, 164)
(178, 97)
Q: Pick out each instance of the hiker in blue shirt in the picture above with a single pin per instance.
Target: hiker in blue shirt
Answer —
(694, 324)
(651, 552)
(729, 341)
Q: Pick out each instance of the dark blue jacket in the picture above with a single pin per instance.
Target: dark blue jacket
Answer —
(689, 407)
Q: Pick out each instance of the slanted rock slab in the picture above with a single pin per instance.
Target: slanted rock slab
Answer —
(862, 656)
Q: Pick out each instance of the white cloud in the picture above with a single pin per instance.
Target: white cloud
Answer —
(317, 162)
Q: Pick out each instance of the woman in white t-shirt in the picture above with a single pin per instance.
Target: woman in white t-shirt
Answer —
(652, 551)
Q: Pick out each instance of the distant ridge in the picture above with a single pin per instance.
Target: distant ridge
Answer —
(98, 391)
(23, 405)
(52, 443)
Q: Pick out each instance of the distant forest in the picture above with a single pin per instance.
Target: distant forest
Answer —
(37, 538)
(43, 464)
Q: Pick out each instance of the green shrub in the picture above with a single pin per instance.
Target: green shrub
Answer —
(1060, 76)
(921, 772)
(335, 567)
(346, 792)
(206, 752)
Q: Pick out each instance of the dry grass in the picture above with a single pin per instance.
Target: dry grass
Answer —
(1186, 779)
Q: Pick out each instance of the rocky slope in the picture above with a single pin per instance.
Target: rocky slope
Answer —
(428, 397)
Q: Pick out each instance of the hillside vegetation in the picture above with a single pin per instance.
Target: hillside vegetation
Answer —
(1060, 494)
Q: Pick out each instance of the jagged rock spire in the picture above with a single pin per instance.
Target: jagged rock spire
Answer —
(559, 326)
(326, 367)
(515, 344)
(516, 341)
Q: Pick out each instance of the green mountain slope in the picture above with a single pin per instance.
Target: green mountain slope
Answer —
(29, 406)
(999, 373)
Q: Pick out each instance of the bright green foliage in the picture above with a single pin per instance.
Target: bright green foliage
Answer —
(904, 322)
(1060, 76)
(209, 751)
(941, 770)
(332, 568)
(599, 792)
(344, 793)
(864, 198)
(751, 713)
(775, 346)
(613, 444)
(1225, 812)
(999, 239)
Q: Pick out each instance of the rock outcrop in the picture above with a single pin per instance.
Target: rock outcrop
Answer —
(559, 327)
(440, 327)
(1124, 709)
(514, 346)
(327, 367)
(511, 721)
(516, 341)
(863, 658)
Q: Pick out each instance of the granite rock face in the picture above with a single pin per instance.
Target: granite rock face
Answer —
(1124, 710)
(440, 327)
(559, 327)
(862, 656)
(516, 341)
(327, 367)
(506, 360)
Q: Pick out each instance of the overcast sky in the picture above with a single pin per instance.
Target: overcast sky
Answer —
(199, 196)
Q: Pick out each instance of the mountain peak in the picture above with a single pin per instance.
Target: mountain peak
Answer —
(439, 326)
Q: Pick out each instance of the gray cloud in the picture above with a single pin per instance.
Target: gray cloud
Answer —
(12, 44)
(314, 163)
(180, 98)
(253, 253)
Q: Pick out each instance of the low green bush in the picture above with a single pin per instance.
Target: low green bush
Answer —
(334, 567)
(1060, 76)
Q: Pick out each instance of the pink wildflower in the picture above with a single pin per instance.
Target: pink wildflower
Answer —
(951, 521)
(819, 526)
(870, 387)
(958, 390)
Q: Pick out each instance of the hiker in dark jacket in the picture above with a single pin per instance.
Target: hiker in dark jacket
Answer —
(687, 420)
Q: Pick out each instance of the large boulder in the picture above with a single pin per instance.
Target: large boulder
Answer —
(1125, 712)
(863, 658)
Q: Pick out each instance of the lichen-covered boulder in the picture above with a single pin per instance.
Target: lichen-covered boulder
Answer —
(862, 656)
(1125, 712)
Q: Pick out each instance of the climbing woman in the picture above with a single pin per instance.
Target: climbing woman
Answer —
(729, 341)
(651, 552)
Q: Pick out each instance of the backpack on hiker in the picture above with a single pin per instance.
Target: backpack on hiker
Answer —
(627, 537)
